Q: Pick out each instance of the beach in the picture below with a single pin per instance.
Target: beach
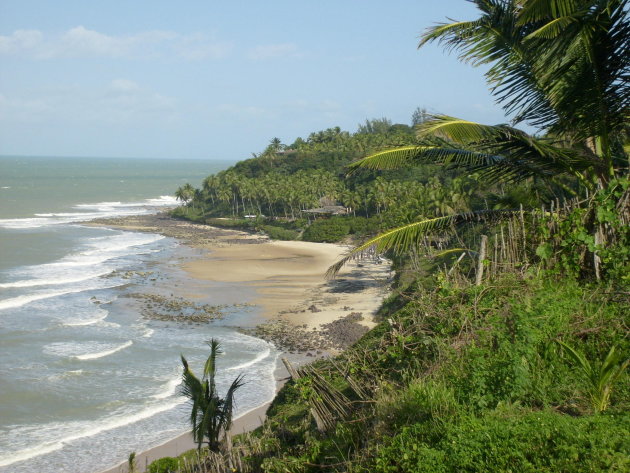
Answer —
(302, 313)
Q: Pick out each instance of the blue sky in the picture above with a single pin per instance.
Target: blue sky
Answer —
(218, 80)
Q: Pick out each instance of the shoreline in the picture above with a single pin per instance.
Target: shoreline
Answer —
(246, 422)
(304, 315)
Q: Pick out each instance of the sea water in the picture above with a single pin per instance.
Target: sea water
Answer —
(84, 378)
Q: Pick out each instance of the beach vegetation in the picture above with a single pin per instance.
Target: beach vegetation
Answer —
(211, 415)
(165, 465)
(601, 377)
(329, 230)
(131, 463)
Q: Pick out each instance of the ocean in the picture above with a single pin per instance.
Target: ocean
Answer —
(85, 379)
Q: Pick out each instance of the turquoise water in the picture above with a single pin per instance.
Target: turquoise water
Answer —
(84, 379)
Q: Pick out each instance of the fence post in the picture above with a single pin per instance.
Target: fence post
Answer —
(482, 257)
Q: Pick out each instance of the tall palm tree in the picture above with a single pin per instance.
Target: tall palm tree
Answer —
(210, 415)
(559, 65)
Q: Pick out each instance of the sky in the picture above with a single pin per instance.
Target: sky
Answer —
(219, 79)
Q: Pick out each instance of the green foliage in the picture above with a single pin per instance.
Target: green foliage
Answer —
(327, 230)
(421, 401)
(363, 226)
(524, 45)
(131, 463)
(232, 223)
(512, 440)
(600, 376)
(164, 465)
(210, 414)
(279, 233)
(571, 241)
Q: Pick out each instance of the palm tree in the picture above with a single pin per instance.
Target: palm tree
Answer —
(210, 415)
(559, 65)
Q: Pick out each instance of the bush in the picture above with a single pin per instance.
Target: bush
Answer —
(542, 441)
(164, 465)
(188, 213)
(279, 233)
(421, 401)
(363, 226)
(327, 230)
(232, 223)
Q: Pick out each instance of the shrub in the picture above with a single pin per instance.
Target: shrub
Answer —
(188, 213)
(236, 223)
(542, 441)
(421, 401)
(279, 233)
(327, 230)
(164, 465)
(364, 226)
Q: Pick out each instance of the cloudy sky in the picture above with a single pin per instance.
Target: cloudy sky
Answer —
(218, 79)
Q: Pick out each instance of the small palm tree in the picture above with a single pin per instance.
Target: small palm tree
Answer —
(600, 376)
(210, 415)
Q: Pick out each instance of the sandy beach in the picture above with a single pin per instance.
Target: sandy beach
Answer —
(291, 293)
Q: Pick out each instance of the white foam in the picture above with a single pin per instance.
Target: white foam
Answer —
(53, 282)
(101, 354)
(66, 375)
(71, 269)
(98, 210)
(80, 322)
(169, 389)
(20, 301)
(259, 358)
(148, 333)
(113, 422)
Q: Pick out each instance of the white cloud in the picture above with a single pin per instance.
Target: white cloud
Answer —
(122, 101)
(81, 42)
(270, 51)
(243, 111)
(123, 85)
(20, 41)
(326, 105)
(198, 46)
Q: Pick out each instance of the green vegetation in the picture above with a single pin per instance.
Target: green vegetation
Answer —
(210, 415)
(330, 230)
(560, 66)
(164, 465)
(461, 378)
(504, 346)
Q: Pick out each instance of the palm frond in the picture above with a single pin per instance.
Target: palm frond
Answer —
(499, 153)
(403, 238)
(551, 29)
(447, 153)
(537, 10)
(210, 366)
(612, 367)
(457, 130)
(228, 407)
(451, 251)
(191, 385)
(579, 359)
(389, 159)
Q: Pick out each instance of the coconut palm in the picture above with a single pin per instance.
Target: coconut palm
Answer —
(559, 65)
(185, 193)
(210, 415)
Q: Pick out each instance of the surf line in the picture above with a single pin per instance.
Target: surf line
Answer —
(101, 354)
